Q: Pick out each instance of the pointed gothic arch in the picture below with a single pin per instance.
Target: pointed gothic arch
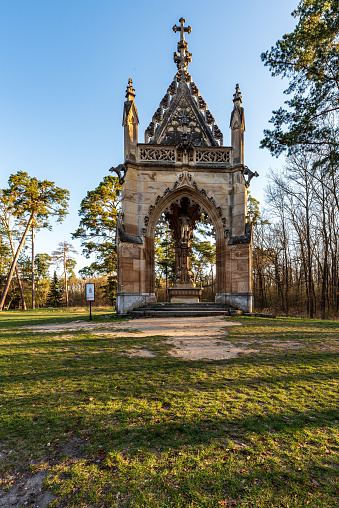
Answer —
(207, 206)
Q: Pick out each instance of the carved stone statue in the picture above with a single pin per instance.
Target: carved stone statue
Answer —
(183, 273)
(185, 229)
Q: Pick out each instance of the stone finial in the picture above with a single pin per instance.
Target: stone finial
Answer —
(130, 122)
(183, 57)
(237, 95)
(237, 125)
(130, 92)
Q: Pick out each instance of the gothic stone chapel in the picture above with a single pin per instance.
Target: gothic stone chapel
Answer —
(183, 170)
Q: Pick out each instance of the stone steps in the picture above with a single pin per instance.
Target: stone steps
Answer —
(165, 310)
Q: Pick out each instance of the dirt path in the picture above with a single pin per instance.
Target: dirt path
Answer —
(193, 338)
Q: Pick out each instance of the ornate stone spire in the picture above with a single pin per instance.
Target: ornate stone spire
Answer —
(237, 125)
(184, 57)
(130, 122)
(183, 117)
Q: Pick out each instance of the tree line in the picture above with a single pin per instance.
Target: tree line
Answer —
(296, 241)
(26, 207)
(296, 250)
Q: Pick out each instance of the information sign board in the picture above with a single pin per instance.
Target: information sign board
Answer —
(89, 292)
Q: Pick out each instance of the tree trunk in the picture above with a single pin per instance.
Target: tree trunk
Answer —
(21, 289)
(33, 274)
(66, 286)
(15, 260)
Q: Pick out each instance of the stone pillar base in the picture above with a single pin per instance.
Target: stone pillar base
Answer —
(128, 301)
(242, 301)
(185, 294)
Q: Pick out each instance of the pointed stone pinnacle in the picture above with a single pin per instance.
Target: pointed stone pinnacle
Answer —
(130, 92)
(237, 95)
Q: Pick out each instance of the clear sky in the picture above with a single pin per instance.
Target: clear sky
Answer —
(65, 66)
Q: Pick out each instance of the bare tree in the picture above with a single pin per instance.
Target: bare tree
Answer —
(62, 257)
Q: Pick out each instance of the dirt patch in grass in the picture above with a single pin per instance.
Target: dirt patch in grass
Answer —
(59, 327)
(196, 338)
(143, 353)
(26, 491)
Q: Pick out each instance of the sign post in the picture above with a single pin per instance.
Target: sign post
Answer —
(90, 297)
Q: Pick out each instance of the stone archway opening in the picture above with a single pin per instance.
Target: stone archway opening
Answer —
(204, 258)
(192, 247)
(184, 251)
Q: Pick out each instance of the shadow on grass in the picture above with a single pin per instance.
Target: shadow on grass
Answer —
(98, 397)
(239, 474)
(20, 319)
(310, 366)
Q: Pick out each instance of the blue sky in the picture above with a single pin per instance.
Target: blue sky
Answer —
(65, 67)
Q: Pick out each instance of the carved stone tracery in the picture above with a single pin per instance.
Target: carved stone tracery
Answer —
(214, 156)
(175, 116)
(186, 152)
(157, 154)
(185, 179)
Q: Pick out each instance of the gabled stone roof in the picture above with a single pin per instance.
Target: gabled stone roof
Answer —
(182, 116)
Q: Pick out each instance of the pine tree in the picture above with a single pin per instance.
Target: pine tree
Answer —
(54, 298)
(308, 57)
(34, 202)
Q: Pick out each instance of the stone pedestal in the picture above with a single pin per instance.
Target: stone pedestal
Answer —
(128, 301)
(242, 301)
(184, 294)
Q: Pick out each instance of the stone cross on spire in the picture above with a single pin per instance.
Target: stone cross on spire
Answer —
(184, 57)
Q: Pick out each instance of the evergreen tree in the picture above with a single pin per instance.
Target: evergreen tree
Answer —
(34, 202)
(54, 298)
(63, 257)
(308, 57)
(98, 223)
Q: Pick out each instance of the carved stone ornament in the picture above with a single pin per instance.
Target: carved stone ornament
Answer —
(185, 178)
(214, 156)
(120, 170)
(250, 174)
(184, 57)
(246, 238)
(126, 237)
(157, 154)
(182, 112)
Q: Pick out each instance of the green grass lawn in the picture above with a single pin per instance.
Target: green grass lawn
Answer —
(109, 430)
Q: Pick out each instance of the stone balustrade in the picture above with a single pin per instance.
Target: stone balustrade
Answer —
(193, 156)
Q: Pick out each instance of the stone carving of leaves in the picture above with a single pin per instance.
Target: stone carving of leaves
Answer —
(165, 101)
(157, 115)
(217, 132)
(194, 89)
(173, 88)
(150, 129)
(209, 117)
(201, 102)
